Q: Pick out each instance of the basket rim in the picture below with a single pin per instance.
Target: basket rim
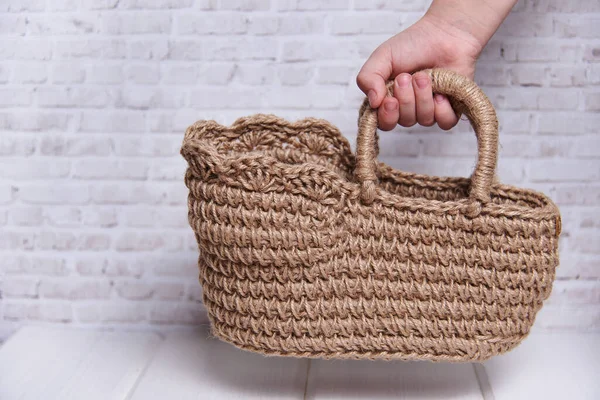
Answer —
(204, 135)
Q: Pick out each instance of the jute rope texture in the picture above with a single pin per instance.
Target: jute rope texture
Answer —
(308, 250)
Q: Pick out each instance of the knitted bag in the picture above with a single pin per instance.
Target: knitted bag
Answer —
(307, 250)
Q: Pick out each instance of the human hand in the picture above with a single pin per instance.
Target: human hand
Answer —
(450, 35)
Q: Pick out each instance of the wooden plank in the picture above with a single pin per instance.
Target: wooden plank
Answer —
(51, 363)
(548, 366)
(358, 379)
(191, 365)
(35, 359)
(112, 367)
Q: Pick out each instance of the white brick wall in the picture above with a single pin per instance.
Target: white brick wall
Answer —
(95, 95)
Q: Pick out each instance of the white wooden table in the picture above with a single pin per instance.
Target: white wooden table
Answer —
(60, 363)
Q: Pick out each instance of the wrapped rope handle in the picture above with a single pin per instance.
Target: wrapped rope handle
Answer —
(466, 98)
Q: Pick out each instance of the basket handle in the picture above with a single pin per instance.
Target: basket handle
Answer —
(466, 98)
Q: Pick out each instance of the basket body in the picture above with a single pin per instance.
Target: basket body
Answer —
(293, 263)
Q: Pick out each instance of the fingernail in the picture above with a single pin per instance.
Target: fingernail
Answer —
(438, 98)
(372, 96)
(422, 82)
(403, 81)
(390, 106)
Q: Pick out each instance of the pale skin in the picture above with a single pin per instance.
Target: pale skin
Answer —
(450, 35)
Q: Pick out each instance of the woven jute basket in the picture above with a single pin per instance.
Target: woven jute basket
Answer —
(308, 250)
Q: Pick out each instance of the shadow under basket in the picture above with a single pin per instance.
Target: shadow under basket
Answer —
(308, 250)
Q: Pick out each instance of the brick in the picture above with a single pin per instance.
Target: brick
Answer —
(245, 5)
(13, 25)
(304, 97)
(575, 292)
(67, 73)
(561, 6)
(255, 74)
(54, 193)
(400, 145)
(33, 265)
(207, 4)
(5, 73)
(136, 23)
(22, 5)
(109, 267)
(363, 24)
(336, 74)
(262, 24)
(294, 50)
(155, 4)
(591, 53)
(558, 123)
(75, 146)
(563, 170)
(588, 195)
(453, 145)
(157, 49)
(310, 5)
(219, 98)
(586, 241)
(13, 97)
(586, 147)
(30, 73)
(118, 312)
(100, 217)
(17, 287)
(34, 169)
(184, 74)
(592, 101)
(105, 169)
(221, 74)
(74, 289)
(180, 313)
(46, 311)
(63, 5)
(134, 290)
(17, 145)
(99, 4)
(47, 121)
(10, 240)
(295, 74)
(67, 97)
(112, 49)
(143, 74)
(112, 121)
(66, 241)
(6, 193)
(567, 76)
(223, 49)
(73, 24)
(301, 24)
(222, 24)
(145, 146)
(387, 5)
(186, 49)
(529, 75)
(147, 241)
(526, 24)
(544, 52)
(26, 216)
(576, 26)
(63, 216)
(106, 74)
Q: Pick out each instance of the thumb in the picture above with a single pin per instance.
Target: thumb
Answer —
(373, 75)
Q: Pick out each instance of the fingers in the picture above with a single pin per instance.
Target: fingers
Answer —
(423, 99)
(404, 93)
(445, 116)
(388, 114)
(373, 75)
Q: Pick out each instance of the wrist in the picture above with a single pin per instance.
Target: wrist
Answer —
(473, 21)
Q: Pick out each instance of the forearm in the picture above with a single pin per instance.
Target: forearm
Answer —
(478, 18)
